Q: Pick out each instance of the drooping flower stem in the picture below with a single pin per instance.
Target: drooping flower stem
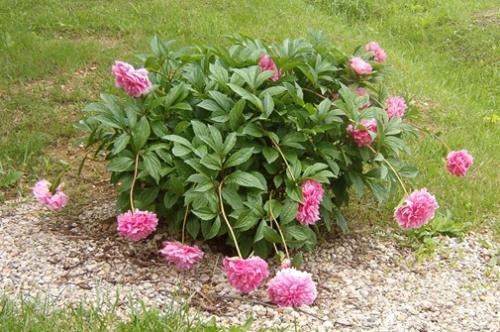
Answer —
(271, 215)
(134, 179)
(393, 170)
(184, 224)
(428, 132)
(227, 221)
(314, 92)
(284, 159)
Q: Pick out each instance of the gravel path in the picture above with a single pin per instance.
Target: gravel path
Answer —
(365, 284)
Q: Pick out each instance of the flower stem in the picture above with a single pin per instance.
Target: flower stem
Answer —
(314, 92)
(393, 170)
(134, 179)
(184, 224)
(284, 159)
(277, 225)
(428, 132)
(227, 221)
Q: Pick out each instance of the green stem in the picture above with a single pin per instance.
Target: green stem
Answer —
(271, 215)
(227, 221)
(184, 224)
(284, 159)
(428, 132)
(314, 92)
(134, 179)
(393, 170)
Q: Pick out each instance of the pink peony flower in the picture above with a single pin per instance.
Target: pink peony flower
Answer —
(361, 135)
(458, 162)
(361, 92)
(137, 225)
(396, 107)
(308, 210)
(378, 53)
(246, 275)
(291, 287)
(182, 255)
(360, 66)
(417, 209)
(135, 82)
(54, 201)
(286, 263)
(266, 63)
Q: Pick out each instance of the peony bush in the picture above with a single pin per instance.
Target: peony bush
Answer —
(254, 145)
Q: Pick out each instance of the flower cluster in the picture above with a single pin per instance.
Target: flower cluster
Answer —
(53, 200)
(231, 128)
(361, 133)
(308, 210)
(292, 288)
(182, 255)
(266, 63)
(137, 225)
(417, 209)
(246, 275)
(459, 162)
(134, 82)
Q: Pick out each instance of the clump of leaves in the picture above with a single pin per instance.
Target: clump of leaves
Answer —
(217, 141)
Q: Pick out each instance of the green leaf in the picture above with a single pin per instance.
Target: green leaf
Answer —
(229, 143)
(193, 227)
(247, 96)
(205, 213)
(270, 154)
(120, 164)
(298, 260)
(271, 235)
(177, 139)
(245, 179)
(214, 229)
(120, 143)
(246, 221)
(141, 133)
(268, 106)
(288, 212)
(341, 222)
(293, 191)
(239, 157)
(152, 165)
(235, 115)
(297, 232)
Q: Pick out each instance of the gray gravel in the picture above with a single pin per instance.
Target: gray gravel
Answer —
(364, 283)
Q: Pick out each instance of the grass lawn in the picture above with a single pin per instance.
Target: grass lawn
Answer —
(56, 56)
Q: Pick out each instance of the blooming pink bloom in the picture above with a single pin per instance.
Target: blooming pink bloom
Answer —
(137, 225)
(360, 66)
(291, 287)
(417, 209)
(458, 162)
(361, 92)
(266, 63)
(54, 201)
(378, 53)
(135, 82)
(308, 210)
(286, 263)
(246, 275)
(182, 255)
(361, 135)
(396, 107)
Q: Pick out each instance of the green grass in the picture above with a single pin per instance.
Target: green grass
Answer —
(445, 56)
(36, 315)
(56, 55)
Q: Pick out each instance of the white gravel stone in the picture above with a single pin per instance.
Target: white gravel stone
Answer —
(364, 283)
